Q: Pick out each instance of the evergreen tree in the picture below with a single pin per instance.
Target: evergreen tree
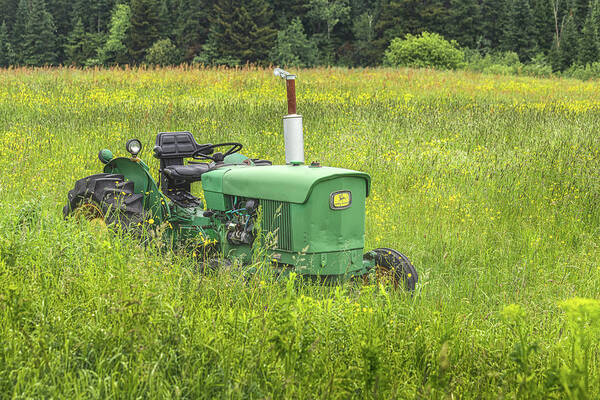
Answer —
(464, 22)
(164, 20)
(18, 32)
(579, 10)
(588, 42)
(114, 50)
(61, 14)
(144, 28)
(7, 55)
(494, 22)
(243, 30)
(192, 26)
(388, 26)
(293, 47)
(39, 42)
(520, 35)
(288, 10)
(9, 13)
(363, 28)
(543, 23)
(564, 51)
(76, 46)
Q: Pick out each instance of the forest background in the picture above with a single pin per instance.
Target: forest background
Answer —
(554, 35)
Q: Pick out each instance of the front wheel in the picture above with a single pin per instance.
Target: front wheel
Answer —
(395, 267)
(108, 198)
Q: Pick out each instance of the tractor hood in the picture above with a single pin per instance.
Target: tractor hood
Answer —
(287, 183)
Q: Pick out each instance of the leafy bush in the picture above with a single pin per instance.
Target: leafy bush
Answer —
(507, 63)
(163, 52)
(501, 63)
(293, 47)
(425, 50)
(210, 55)
(583, 72)
(539, 66)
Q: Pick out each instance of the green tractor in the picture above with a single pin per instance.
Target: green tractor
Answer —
(310, 219)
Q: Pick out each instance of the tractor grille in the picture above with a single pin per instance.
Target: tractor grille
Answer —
(276, 220)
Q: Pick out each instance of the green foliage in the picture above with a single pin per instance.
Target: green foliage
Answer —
(425, 50)
(329, 13)
(7, 54)
(18, 31)
(39, 40)
(211, 55)
(564, 52)
(464, 21)
(293, 47)
(76, 46)
(519, 35)
(191, 26)
(588, 42)
(366, 52)
(242, 31)
(583, 72)
(144, 29)
(114, 51)
(163, 52)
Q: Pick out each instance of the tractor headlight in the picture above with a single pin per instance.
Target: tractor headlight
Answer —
(133, 146)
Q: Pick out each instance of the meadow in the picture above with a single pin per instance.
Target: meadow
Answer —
(491, 186)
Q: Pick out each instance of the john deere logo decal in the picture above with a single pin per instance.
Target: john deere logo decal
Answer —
(340, 200)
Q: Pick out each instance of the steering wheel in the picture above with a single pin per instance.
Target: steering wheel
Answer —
(200, 154)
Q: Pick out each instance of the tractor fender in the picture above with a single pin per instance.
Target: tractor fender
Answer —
(136, 171)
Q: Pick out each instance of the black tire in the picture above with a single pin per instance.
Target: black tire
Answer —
(396, 267)
(112, 198)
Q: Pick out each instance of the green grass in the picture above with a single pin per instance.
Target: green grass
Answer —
(491, 185)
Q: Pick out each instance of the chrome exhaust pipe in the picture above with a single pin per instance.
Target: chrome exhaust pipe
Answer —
(293, 135)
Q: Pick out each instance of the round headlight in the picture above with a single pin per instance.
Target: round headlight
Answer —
(133, 146)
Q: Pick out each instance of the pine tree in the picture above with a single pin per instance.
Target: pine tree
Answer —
(39, 42)
(293, 47)
(288, 10)
(114, 50)
(164, 25)
(564, 53)
(144, 28)
(7, 55)
(9, 13)
(243, 30)
(61, 14)
(75, 47)
(520, 35)
(18, 32)
(464, 22)
(588, 42)
(494, 21)
(543, 23)
(192, 26)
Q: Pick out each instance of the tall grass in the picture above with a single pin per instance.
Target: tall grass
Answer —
(490, 185)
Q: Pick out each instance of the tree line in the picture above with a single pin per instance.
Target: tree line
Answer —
(300, 33)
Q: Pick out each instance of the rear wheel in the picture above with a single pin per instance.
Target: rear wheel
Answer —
(394, 267)
(108, 198)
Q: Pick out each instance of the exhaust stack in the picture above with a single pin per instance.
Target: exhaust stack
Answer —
(292, 123)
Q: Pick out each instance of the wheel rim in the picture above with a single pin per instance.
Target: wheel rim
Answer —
(90, 212)
(386, 274)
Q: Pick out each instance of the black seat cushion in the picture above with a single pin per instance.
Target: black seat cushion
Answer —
(188, 173)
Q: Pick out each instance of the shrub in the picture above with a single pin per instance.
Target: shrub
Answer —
(425, 50)
(583, 72)
(293, 47)
(163, 52)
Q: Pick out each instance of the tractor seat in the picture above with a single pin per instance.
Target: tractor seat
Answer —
(188, 173)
